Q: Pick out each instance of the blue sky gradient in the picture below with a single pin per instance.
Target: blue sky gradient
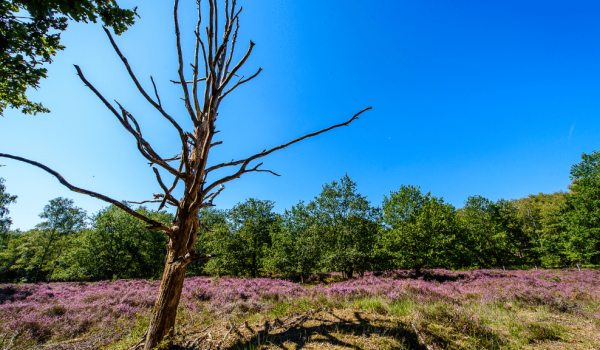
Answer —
(494, 98)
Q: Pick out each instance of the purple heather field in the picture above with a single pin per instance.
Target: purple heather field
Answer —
(66, 310)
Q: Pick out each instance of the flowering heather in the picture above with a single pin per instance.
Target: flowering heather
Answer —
(59, 311)
(563, 290)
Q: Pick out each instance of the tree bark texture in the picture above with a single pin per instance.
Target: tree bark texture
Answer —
(164, 312)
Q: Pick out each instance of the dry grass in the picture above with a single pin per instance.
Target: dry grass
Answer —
(371, 324)
(381, 328)
(376, 324)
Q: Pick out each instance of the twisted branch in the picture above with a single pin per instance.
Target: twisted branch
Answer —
(180, 70)
(168, 195)
(209, 200)
(143, 146)
(158, 105)
(242, 81)
(265, 152)
(62, 180)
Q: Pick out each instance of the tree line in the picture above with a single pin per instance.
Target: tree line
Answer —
(339, 230)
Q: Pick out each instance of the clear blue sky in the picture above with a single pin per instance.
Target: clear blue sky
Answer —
(491, 98)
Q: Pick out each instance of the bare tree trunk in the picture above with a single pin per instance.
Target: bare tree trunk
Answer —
(164, 312)
(180, 252)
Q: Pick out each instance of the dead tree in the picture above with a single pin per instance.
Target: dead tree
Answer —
(191, 170)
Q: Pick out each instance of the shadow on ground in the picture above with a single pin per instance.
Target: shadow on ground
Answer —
(319, 329)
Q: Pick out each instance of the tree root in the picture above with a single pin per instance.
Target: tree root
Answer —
(140, 343)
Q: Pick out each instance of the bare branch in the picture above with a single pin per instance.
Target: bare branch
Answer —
(167, 192)
(239, 173)
(226, 14)
(126, 115)
(186, 94)
(242, 81)
(214, 28)
(129, 70)
(188, 82)
(209, 200)
(176, 157)
(156, 92)
(162, 204)
(195, 66)
(237, 66)
(234, 39)
(146, 201)
(158, 105)
(89, 193)
(216, 143)
(265, 152)
(142, 144)
(203, 53)
(211, 67)
(89, 85)
(209, 34)
(221, 51)
(157, 199)
(265, 171)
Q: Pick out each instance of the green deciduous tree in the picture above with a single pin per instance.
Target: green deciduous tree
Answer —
(297, 246)
(23, 255)
(479, 219)
(30, 36)
(517, 245)
(581, 214)
(421, 229)
(493, 232)
(36, 253)
(62, 219)
(347, 224)
(541, 222)
(243, 243)
(212, 219)
(9, 256)
(117, 245)
(5, 200)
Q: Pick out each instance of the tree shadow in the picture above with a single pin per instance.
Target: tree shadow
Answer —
(10, 293)
(324, 278)
(326, 328)
(425, 275)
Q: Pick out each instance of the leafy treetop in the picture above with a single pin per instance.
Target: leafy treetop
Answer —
(5, 200)
(30, 36)
(581, 214)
